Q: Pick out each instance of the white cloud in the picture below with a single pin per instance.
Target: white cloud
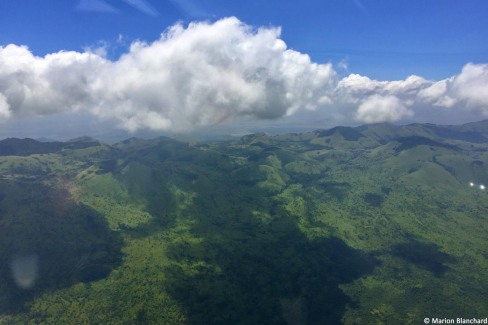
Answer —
(39, 86)
(471, 87)
(4, 108)
(377, 108)
(355, 87)
(100, 48)
(143, 6)
(190, 8)
(465, 91)
(207, 73)
(200, 75)
(436, 94)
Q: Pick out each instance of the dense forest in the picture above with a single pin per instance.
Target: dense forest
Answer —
(377, 224)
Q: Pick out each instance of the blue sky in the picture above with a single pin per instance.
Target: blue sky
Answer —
(382, 39)
(376, 39)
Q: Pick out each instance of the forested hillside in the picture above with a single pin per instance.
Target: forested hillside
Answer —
(377, 224)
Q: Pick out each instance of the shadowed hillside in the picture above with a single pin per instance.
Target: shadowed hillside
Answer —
(48, 241)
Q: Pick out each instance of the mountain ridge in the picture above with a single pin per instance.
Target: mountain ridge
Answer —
(476, 132)
(339, 225)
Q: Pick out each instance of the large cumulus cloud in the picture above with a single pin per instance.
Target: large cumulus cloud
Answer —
(387, 101)
(39, 86)
(210, 72)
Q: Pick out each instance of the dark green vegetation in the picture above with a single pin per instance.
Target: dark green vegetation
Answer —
(70, 241)
(370, 225)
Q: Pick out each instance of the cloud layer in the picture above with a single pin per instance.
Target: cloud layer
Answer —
(210, 72)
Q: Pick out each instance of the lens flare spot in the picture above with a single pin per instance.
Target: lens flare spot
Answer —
(25, 270)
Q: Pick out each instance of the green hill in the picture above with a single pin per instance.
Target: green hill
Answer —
(378, 224)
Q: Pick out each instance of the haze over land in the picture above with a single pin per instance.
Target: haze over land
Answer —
(223, 72)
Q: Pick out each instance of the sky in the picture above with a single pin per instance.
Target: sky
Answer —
(126, 67)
